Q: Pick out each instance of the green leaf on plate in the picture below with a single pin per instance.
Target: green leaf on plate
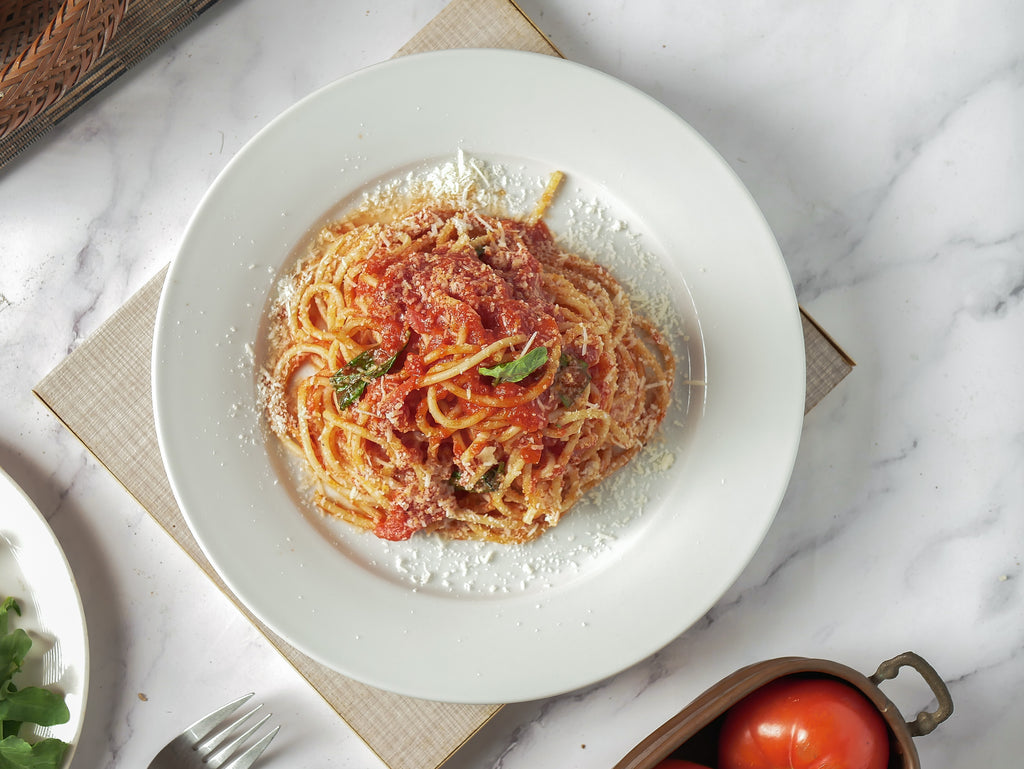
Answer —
(16, 753)
(30, 704)
(518, 369)
(350, 381)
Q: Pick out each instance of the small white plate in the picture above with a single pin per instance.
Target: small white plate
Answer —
(34, 570)
(620, 577)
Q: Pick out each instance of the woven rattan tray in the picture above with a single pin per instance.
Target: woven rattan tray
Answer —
(46, 47)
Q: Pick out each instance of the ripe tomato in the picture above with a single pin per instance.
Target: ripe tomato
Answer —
(804, 723)
(678, 763)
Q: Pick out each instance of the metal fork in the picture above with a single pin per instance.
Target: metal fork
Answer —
(192, 748)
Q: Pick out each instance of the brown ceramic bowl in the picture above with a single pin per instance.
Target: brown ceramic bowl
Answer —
(692, 734)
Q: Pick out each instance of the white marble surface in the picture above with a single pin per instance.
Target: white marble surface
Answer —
(883, 140)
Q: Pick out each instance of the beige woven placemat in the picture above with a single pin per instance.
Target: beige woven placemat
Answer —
(101, 392)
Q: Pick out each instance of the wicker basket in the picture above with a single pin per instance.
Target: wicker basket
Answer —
(46, 47)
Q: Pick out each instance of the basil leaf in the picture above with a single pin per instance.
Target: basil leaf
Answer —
(30, 704)
(350, 381)
(518, 369)
(34, 705)
(14, 647)
(363, 362)
(45, 754)
(9, 604)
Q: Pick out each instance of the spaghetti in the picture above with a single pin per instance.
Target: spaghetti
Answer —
(458, 373)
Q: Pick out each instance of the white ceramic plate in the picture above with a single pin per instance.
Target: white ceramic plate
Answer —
(620, 577)
(33, 570)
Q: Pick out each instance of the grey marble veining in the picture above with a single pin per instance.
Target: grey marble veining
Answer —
(884, 142)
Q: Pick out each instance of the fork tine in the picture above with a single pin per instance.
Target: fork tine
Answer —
(210, 743)
(224, 753)
(246, 759)
(207, 724)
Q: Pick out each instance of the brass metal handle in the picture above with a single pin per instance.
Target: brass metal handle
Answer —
(925, 722)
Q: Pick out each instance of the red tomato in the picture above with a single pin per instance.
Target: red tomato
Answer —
(803, 723)
(678, 763)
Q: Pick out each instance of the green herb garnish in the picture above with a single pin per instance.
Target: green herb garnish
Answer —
(350, 381)
(518, 369)
(32, 704)
(489, 481)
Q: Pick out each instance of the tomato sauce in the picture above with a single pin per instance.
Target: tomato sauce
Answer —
(394, 526)
(442, 292)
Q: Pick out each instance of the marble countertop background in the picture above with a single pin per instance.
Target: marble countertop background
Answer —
(884, 140)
